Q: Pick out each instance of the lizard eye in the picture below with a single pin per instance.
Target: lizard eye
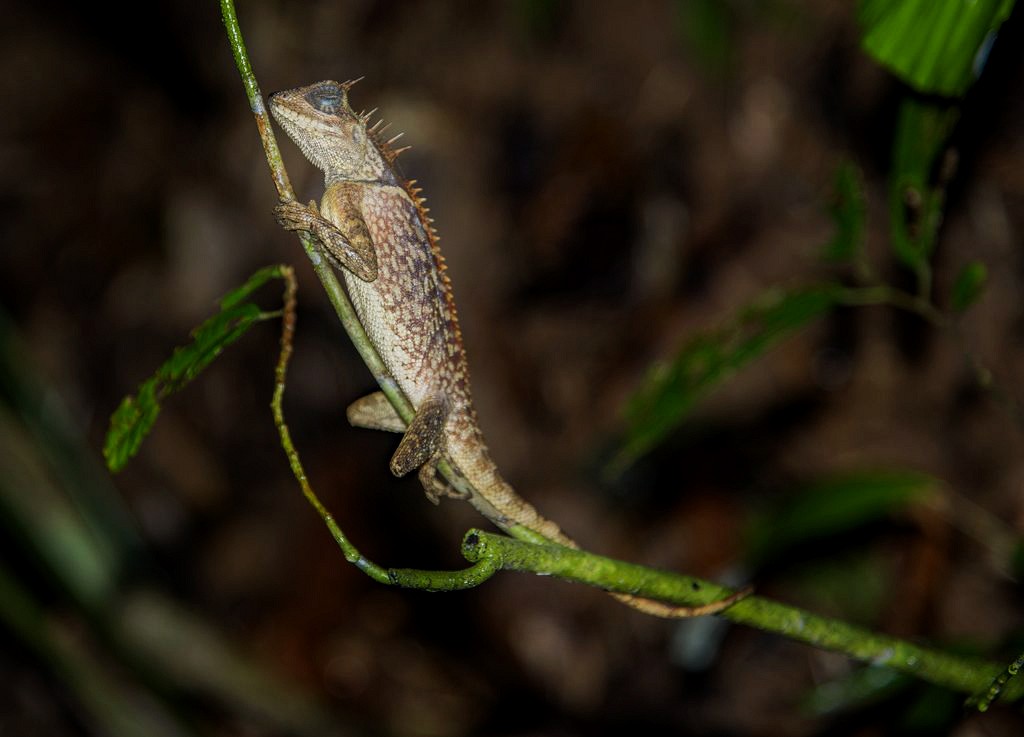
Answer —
(326, 99)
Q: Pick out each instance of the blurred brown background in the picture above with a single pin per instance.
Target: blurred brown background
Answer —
(607, 178)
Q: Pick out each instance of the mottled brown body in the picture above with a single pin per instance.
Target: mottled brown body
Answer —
(374, 227)
(406, 307)
(409, 316)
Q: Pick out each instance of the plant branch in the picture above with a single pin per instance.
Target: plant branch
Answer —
(883, 294)
(983, 700)
(966, 675)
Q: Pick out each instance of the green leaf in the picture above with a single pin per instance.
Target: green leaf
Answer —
(133, 419)
(936, 46)
(915, 206)
(969, 285)
(831, 507)
(849, 212)
(673, 387)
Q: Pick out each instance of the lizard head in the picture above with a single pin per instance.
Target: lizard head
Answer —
(335, 139)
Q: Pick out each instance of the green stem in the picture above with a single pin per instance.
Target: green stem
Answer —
(983, 700)
(967, 675)
(335, 293)
(883, 294)
(352, 554)
(408, 578)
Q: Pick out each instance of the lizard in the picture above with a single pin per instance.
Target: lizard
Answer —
(373, 227)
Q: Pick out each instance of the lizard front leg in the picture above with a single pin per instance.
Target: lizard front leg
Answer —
(346, 244)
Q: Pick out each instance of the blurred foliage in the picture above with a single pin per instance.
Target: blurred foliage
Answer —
(132, 421)
(855, 585)
(849, 213)
(673, 387)
(916, 188)
(707, 28)
(128, 656)
(112, 704)
(936, 46)
(982, 701)
(861, 687)
(912, 708)
(969, 286)
(926, 42)
(831, 507)
(53, 494)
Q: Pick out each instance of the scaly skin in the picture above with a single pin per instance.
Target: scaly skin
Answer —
(374, 227)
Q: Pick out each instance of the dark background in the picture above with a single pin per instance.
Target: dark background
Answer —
(607, 178)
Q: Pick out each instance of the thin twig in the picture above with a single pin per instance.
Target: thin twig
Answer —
(428, 580)
(983, 700)
(883, 294)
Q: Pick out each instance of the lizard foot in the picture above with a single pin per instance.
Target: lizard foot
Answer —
(346, 244)
(436, 487)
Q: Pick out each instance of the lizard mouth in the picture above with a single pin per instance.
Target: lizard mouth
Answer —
(321, 106)
(320, 122)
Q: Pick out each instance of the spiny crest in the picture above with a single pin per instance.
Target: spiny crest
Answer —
(415, 193)
(384, 145)
(376, 131)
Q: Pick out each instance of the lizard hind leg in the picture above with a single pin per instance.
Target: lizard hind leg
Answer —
(422, 447)
(374, 412)
(423, 439)
(436, 487)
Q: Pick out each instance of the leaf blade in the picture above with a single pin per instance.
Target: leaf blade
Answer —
(132, 421)
(936, 46)
(832, 506)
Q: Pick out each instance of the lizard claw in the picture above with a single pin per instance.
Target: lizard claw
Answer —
(292, 215)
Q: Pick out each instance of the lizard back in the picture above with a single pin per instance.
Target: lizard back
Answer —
(407, 311)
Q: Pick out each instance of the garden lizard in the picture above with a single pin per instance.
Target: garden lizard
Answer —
(373, 227)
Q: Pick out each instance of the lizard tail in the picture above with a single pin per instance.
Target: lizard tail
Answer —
(673, 611)
(495, 498)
